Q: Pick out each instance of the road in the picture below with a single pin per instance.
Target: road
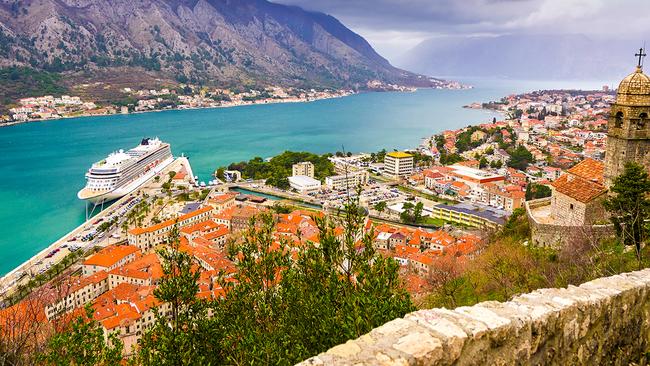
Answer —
(58, 250)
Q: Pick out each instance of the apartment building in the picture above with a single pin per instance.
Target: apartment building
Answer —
(398, 164)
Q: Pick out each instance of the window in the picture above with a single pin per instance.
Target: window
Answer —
(618, 121)
(642, 121)
(571, 206)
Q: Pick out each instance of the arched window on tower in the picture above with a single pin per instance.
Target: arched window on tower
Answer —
(642, 121)
(618, 121)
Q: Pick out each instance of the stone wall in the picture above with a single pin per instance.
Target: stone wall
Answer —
(605, 321)
(553, 235)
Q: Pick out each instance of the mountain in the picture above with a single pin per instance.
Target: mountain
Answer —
(221, 42)
(524, 56)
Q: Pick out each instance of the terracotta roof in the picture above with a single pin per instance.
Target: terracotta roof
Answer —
(147, 267)
(221, 231)
(589, 169)
(200, 226)
(110, 255)
(150, 229)
(578, 188)
(222, 198)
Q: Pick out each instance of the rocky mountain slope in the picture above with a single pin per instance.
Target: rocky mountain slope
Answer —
(222, 42)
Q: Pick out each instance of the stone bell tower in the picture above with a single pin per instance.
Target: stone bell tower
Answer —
(628, 136)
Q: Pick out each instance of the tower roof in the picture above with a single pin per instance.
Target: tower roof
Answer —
(634, 89)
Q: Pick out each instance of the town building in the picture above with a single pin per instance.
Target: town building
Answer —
(304, 168)
(144, 271)
(222, 201)
(398, 164)
(577, 194)
(148, 237)
(304, 184)
(347, 181)
(109, 258)
(473, 215)
(74, 292)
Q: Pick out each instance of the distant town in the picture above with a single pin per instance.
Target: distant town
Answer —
(48, 107)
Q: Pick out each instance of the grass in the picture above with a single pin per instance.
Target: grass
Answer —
(436, 222)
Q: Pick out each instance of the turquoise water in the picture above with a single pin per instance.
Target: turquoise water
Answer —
(43, 164)
(269, 197)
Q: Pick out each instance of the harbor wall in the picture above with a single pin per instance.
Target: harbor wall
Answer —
(605, 321)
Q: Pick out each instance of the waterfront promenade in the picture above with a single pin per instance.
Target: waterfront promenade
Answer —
(40, 262)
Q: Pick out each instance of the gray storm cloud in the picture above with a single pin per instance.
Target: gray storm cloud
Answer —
(395, 26)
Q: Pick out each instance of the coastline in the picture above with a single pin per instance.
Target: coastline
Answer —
(6, 283)
(15, 123)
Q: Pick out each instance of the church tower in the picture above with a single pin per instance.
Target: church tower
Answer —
(628, 136)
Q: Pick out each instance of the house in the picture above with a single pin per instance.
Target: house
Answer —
(109, 258)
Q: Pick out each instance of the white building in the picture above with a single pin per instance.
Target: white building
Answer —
(347, 181)
(398, 164)
(305, 169)
(304, 184)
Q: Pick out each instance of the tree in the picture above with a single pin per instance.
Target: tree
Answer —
(82, 344)
(520, 157)
(411, 214)
(178, 335)
(535, 191)
(629, 205)
(496, 164)
(380, 207)
(417, 212)
(281, 310)
(483, 163)
(220, 174)
(406, 216)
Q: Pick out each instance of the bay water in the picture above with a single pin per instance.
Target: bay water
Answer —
(42, 164)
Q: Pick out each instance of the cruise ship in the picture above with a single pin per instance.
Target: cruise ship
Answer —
(121, 172)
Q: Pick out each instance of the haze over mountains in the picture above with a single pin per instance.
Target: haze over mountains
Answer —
(523, 56)
(230, 42)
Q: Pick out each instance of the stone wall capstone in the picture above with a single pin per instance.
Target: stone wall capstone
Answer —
(602, 322)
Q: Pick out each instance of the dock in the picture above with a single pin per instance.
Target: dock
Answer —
(41, 262)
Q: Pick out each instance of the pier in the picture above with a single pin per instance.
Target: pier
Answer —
(40, 262)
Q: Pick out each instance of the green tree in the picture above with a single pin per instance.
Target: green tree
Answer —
(629, 206)
(496, 164)
(406, 216)
(535, 191)
(281, 310)
(82, 343)
(417, 212)
(178, 334)
(483, 163)
(220, 174)
(380, 207)
(520, 157)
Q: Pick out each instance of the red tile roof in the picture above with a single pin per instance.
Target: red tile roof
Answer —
(110, 255)
(583, 182)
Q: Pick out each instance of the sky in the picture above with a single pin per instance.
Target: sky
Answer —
(395, 26)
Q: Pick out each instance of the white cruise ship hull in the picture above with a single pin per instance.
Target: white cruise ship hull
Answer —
(99, 197)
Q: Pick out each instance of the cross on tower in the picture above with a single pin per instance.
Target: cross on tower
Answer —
(640, 55)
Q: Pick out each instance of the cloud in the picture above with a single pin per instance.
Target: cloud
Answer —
(394, 26)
